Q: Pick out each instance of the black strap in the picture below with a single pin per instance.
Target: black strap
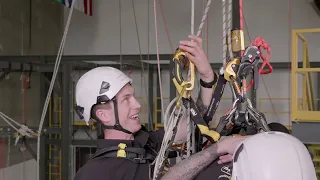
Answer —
(196, 117)
(117, 125)
(215, 100)
(142, 137)
(209, 84)
(213, 106)
(134, 154)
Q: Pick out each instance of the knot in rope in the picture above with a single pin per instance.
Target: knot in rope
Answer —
(26, 131)
(261, 43)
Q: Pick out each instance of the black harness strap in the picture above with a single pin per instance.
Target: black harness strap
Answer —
(215, 100)
(117, 125)
(141, 154)
(137, 155)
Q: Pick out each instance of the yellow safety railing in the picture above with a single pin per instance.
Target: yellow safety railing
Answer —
(307, 113)
(157, 124)
(315, 149)
(55, 107)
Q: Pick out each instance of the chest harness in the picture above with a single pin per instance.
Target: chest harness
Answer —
(144, 152)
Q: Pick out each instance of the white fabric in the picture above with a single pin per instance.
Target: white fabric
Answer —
(273, 156)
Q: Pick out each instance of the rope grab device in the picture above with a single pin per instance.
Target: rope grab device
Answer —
(239, 62)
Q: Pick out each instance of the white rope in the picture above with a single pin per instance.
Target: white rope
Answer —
(158, 56)
(226, 30)
(229, 16)
(55, 71)
(21, 128)
(143, 78)
(204, 17)
(224, 33)
(190, 129)
(120, 34)
(169, 124)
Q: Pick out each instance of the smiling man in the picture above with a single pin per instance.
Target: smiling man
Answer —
(106, 95)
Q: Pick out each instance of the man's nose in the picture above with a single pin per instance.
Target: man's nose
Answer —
(136, 104)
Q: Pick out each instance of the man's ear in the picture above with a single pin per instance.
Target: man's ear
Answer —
(103, 115)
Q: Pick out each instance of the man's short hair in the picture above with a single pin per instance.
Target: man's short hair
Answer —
(96, 107)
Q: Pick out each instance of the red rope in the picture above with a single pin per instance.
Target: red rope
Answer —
(24, 99)
(24, 115)
(260, 43)
(2, 153)
(130, 72)
(166, 27)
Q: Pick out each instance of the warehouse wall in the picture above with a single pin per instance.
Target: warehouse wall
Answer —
(25, 170)
(25, 30)
(100, 34)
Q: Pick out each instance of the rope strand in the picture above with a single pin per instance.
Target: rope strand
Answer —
(55, 72)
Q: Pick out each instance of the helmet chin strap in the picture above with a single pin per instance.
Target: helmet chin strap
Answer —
(117, 126)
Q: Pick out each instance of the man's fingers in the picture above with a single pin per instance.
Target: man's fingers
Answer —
(196, 39)
(225, 159)
(188, 49)
(189, 43)
(225, 156)
(190, 56)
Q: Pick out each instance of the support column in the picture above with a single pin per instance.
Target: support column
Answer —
(172, 95)
(43, 163)
(150, 99)
(236, 20)
(158, 101)
(318, 92)
(66, 121)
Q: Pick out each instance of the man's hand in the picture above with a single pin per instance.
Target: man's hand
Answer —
(189, 168)
(227, 147)
(195, 54)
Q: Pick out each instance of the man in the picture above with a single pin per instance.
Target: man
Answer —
(218, 171)
(105, 94)
(204, 167)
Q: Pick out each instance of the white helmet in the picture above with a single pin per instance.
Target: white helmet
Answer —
(272, 156)
(98, 84)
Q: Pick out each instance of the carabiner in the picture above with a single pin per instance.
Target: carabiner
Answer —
(180, 60)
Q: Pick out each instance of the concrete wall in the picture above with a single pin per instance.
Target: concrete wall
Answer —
(25, 170)
(25, 29)
(100, 34)
(272, 20)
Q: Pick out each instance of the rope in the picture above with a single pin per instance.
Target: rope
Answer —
(289, 56)
(226, 29)
(56, 68)
(120, 38)
(2, 153)
(148, 65)
(158, 56)
(267, 58)
(23, 129)
(143, 80)
(9, 151)
(169, 124)
(24, 84)
(189, 123)
(165, 26)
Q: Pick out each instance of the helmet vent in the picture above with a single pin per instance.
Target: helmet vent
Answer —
(105, 86)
